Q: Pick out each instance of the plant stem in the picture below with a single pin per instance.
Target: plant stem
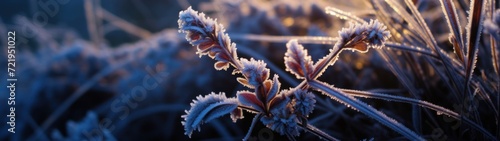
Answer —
(254, 121)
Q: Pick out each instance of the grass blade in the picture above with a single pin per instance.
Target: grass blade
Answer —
(343, 15)
(421, 103)
(364, 108)
(474, 28)
(444, 58)
(451, 15)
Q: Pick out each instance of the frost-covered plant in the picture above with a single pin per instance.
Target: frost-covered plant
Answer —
(272, 107)
(286, 111)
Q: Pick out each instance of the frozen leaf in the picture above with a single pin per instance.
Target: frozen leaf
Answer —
(205, 109)
(297, 61)
(247, 98)
(254, 71)
(273, 89)
(244, 82)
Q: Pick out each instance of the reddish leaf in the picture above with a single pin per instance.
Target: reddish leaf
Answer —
(250, 99)
(273, 90)
(221, 65)
(278, 102)
(244, 82)
(297, 61)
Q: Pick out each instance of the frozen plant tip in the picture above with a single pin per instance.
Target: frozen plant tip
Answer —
(360, 37)
(206, 108)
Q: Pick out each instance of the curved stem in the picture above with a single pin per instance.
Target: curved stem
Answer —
(254, 121)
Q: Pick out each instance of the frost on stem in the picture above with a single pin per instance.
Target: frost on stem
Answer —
(209, 38)
(360, 37)
(207, 108)
(492, 26)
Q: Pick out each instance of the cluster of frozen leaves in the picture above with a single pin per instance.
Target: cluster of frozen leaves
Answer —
(280, 110)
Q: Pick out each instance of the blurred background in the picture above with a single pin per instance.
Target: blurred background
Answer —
(120, 70)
